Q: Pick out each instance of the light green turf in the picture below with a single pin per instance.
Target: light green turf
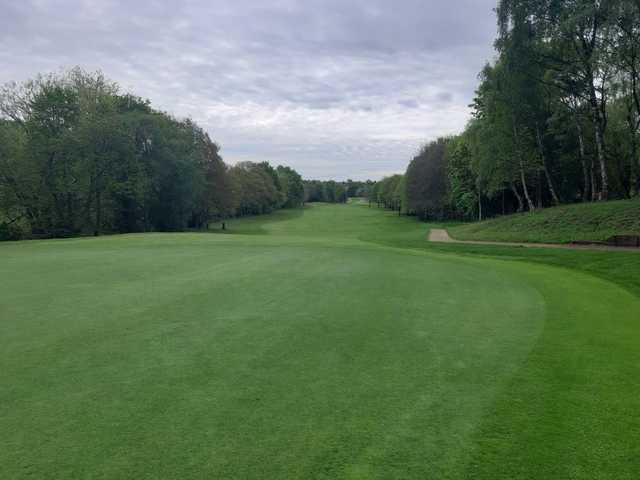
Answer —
(564, 224)
(324, 343)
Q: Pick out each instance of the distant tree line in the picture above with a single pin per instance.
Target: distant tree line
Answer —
(77, 156)
(331, 191)
(556, 118)
(389, 192)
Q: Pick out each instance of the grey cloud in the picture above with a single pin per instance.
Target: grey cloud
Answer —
(444, 97)
(342, 88)
(409, 103)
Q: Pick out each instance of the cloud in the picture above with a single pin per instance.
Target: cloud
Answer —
(334, 88)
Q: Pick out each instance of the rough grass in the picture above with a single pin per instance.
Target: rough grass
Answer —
(332, 342)
(568, 223)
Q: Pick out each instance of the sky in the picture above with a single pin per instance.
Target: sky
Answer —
(336, 89)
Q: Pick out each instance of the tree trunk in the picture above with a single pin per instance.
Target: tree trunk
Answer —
(552, 188)
(636, 162)
(583, 159)
(514, 189)
(599, 137)
(522, 176)
(532, 207)
(545, 168)
(539, 190)
(594, 183)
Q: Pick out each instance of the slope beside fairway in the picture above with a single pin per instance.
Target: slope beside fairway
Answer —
(294, 347)
(596, 221)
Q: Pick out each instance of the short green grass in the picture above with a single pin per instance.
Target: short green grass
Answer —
(568, 223)
(332, 342)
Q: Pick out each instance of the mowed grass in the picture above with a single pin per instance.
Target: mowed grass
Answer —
(564, 224)
(326, 343)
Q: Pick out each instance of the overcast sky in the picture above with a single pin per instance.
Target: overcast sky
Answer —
(334, 88)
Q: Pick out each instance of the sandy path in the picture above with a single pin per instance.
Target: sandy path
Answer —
(441, 235)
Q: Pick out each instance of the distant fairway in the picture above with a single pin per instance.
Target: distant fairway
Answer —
(310, 344)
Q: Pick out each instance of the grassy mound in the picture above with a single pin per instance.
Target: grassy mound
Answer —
(568, 223)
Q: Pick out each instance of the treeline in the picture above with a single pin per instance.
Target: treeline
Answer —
(331, 191)
(77, 156)
(556, 118)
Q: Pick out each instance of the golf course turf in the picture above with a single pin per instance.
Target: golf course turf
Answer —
(329, 342)
(589, 221)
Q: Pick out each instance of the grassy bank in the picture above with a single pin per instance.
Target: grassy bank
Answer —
(568, 223)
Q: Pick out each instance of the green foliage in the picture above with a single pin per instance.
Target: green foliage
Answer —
(460, 177)
(256, 188)
(556, 115)
(78, 157)
(426, 182)
(325, 191)
(389, 192)
(292, 187)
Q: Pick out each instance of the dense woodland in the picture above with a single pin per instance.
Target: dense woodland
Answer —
(331, 191)
(556, 118)
(79, 157)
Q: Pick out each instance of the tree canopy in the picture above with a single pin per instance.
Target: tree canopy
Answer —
(78, 156)
(556, 116)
